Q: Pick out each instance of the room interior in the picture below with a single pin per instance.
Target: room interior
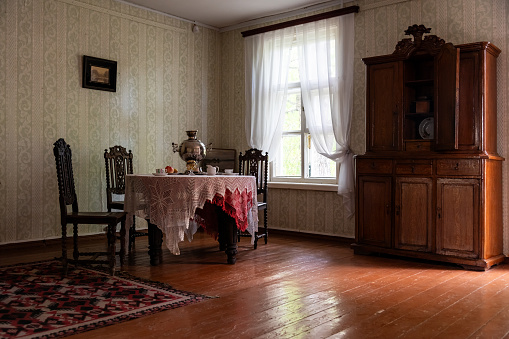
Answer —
(172, 78)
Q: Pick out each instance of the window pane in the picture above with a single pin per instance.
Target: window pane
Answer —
(290, 164)
(293, 113)
(320, 166)
(293, 70)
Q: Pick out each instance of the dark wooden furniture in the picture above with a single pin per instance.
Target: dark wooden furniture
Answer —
(254, 163)
(119, 162)
(221, 157)
(67, 196)
(220, 204)
(227, 237)
(429, 184)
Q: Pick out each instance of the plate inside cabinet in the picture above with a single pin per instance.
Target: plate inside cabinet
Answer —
(426, 128)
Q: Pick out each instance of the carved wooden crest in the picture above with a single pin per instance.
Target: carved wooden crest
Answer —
(430, 44)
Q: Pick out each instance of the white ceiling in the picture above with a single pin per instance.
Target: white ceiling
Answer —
(224, 13)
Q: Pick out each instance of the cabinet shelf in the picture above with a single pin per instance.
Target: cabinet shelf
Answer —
(421, 82)
(414, 115)
(418, 140)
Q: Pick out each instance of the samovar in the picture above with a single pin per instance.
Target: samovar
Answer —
(192, 151)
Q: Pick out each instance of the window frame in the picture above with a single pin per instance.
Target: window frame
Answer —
(304, 134)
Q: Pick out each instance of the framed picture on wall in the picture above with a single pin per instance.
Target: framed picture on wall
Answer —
(99, 74)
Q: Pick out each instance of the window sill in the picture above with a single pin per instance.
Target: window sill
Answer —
(304, 186)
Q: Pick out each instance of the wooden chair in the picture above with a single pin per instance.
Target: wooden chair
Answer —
(253, 162)
(67, 196)
(118, 163)
(220, 157)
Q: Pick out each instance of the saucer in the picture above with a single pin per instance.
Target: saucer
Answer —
(426, 128)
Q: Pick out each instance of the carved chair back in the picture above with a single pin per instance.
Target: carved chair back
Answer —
(254, 163)
(66, 189)
(118, 163)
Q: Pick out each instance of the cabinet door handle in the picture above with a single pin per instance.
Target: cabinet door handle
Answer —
(388, 209)
(413, 169)
(457, 167)
(397, 209)
(439, 212)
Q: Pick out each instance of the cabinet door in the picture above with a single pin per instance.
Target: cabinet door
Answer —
(470, 111)
(374, 210)
(413, 214)
(447, 98)
(384, 99)
(458, 217)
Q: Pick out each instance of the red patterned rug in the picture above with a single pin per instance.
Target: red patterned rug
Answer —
(35, 302)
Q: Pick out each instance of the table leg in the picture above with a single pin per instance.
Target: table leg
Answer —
(227, 235)
(221, 230)
(155, 241)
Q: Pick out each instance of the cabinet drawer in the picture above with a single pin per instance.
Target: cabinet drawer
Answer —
(459, 167)
(374, 166)
(413, 146)
(416, 167)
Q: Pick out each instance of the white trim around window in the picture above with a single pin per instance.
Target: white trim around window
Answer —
(304, 186)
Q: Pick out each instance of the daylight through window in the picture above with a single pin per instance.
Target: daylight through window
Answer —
(297, 158)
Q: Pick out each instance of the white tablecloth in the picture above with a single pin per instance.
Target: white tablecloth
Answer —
(170, 202)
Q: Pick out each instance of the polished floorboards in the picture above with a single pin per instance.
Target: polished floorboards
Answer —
(300, 286)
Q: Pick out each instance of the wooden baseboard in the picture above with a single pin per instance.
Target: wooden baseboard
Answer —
(339, 239)
(50, 242)
(95, 237)
(46, 242)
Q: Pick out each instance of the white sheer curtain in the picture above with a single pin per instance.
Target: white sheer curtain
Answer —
(326, 75)
(267, 57)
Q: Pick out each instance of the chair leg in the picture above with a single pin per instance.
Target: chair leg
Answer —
(75, 252)
(265, 225)
(111, 247)
(64, 250)
(132, 234)
(122, 242)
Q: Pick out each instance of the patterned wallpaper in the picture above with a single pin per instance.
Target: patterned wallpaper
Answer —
(171, 80)
(168, 82)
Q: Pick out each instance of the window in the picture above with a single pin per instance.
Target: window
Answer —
(297, 159)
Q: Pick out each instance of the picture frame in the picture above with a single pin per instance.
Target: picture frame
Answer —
(100, 74)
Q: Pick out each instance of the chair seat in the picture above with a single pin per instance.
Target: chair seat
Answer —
(117, 205)
(262, 205)
(96, 217)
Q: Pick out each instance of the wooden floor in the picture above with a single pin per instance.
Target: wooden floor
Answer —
(303, 287)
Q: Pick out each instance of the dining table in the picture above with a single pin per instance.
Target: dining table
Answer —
(176, 205)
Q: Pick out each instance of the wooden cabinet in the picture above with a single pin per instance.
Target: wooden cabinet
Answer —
(429, 184)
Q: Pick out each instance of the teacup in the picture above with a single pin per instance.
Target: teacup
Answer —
(160, 170)
(212, 170)
(228, 171)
